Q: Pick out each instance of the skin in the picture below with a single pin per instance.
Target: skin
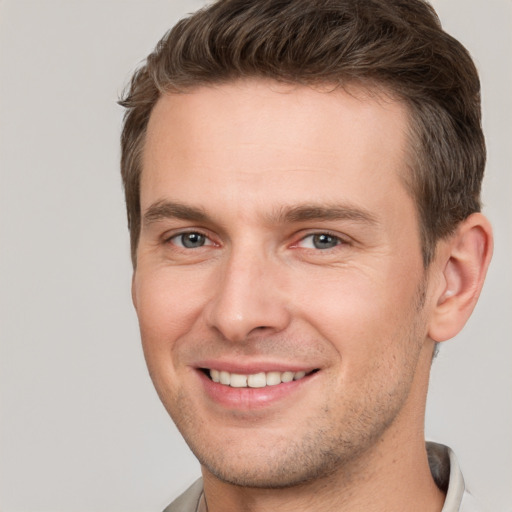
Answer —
(258, 169)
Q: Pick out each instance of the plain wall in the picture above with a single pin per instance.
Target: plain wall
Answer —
(81, 428)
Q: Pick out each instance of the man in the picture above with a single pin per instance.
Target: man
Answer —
(302, 181)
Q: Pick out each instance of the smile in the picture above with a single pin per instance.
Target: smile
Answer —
(255, 380)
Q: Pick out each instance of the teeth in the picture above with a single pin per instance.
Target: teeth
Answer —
(238, 381)
(273, 378)
(287, 376)
(256, 380)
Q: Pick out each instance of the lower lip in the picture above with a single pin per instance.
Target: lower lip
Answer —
(250, 398)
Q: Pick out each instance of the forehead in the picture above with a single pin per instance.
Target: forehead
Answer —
(287, 143)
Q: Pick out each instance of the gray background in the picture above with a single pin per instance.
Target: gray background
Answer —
(81, 427)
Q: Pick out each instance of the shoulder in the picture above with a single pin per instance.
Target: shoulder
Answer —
(189, 500)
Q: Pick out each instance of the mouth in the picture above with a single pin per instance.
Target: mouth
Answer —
(254, 380)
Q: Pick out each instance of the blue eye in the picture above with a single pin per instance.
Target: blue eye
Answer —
(190, 240)
(320, 241)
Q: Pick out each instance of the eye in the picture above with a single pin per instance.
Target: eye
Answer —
(190, 240)
(320, 241)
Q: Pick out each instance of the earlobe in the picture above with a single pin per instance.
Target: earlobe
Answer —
(465, 257)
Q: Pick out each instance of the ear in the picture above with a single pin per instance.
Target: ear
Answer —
(462, 261)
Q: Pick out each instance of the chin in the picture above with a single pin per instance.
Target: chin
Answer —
(268, 460)
(272, 473)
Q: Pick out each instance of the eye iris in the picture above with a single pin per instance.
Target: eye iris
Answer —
(192, 240)
(324, 241)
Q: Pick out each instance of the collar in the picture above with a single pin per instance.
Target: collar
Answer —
(447, 475)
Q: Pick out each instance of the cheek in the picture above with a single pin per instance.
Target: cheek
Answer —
(366, 318)
(168, 304)
(343, 306)
(167, 308)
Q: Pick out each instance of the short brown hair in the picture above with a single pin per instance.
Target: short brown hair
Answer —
(397, 46)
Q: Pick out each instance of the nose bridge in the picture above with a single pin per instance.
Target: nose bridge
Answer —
(247, 298)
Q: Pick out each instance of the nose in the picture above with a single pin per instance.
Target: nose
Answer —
(249, 299)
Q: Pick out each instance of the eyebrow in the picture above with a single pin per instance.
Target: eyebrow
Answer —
(323, 212)
(162, 210)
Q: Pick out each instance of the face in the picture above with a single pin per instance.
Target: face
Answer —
(279, 287)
